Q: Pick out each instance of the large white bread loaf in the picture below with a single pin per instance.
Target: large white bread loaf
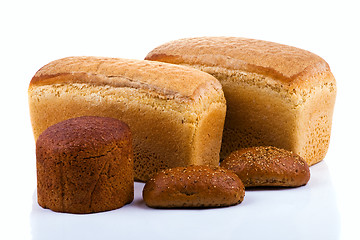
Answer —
(176, 114)
(276, 95)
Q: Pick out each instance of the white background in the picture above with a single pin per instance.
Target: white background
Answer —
(33, 33)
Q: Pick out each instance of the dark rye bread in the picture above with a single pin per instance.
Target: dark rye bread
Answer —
(193, 187)
(85, 165)
(268, 166)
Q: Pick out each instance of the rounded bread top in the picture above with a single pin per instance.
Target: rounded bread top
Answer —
(168, 80)
(264, 157)
(193, 186)
(283, 62)
(84, 133)
(268, 166)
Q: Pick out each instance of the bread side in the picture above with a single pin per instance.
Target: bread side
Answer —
(168, 129)
(261, 111)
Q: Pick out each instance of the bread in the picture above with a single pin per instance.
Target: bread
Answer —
(85, 165)
(176, 114)
(193, 187)
(276, 95)
(268, 166)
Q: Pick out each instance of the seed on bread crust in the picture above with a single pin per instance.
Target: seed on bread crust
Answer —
(268, 166)
(193, 187)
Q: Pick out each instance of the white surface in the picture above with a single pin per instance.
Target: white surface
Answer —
(307, 212)
(35, 32)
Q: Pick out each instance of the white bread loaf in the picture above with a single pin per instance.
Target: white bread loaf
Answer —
(276, 95)
(176, 113)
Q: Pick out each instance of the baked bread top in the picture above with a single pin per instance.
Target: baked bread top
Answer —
(268, 166)
(84, 134)
(285, 63)
(193, 187)
(166, 80)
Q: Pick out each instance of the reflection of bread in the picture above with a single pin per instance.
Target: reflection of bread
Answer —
(193, 186)
(85, 165)
(268, 166)
(176, 113)
(276, 95)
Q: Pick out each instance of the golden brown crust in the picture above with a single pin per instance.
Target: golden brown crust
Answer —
(170, 109)
(85, 165)
(268, 166)
(287, 94)
(193, 187)
(284, 63)
(164, 79)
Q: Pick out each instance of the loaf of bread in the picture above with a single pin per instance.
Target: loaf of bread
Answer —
(268, 166)
(276, 95)
(193, 187)
(85, 165)
(176, 114)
